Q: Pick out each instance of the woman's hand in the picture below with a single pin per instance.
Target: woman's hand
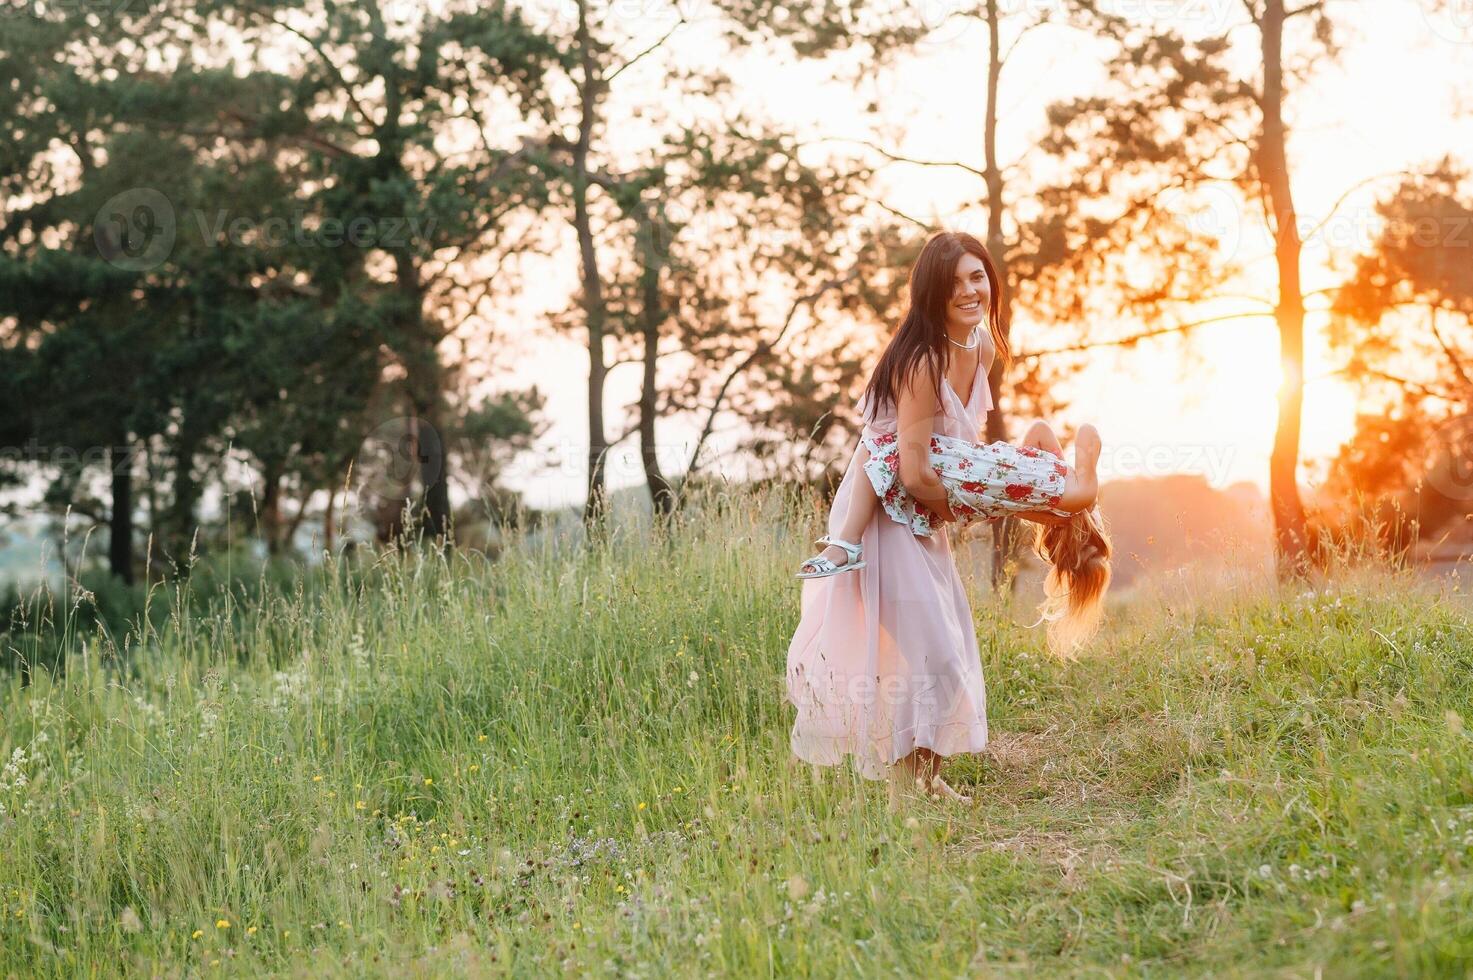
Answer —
(942, 512)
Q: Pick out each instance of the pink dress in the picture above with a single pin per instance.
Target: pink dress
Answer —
(884, 659)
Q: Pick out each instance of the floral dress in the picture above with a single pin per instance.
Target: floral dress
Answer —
(983, 481)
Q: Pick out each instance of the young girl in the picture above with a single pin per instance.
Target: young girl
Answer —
(986, 482)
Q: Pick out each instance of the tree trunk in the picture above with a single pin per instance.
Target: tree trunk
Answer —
(271, 510)
(120, 524)
(425, 373)
(425, 392)
(652, 247)
(181, 529)
(1004, 531)
(1288, 512)
(434, 474)
(593, 301)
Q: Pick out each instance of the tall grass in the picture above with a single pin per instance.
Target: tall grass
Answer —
(576, 759)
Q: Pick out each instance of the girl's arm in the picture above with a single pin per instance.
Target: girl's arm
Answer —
(916, 410)
(1041, 517)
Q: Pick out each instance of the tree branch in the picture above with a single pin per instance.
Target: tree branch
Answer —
(675, 27)
(761, 350)
(1144, 335)
(895, 157)
(1451, 356)
(331, 65)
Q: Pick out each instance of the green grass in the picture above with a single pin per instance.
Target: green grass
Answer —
(577, 761)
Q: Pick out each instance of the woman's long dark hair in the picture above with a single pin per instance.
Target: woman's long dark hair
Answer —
(921, 338)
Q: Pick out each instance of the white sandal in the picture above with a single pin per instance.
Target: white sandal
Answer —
(825, 567)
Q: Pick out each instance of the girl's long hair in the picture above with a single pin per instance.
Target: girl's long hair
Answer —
(921, 338)
(1078, 553)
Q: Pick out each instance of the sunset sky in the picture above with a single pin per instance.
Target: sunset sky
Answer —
(1390, 103)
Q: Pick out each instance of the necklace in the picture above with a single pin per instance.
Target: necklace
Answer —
(975, 340)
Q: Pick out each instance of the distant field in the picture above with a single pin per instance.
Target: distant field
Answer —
(26, 556)
(575, 761)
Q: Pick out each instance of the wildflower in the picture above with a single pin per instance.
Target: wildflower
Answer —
(429, 781)
(196, 934)
(251, 931)
(360, 805)
(480, 738)
(316, 779)
(222, 923)
(641, 806)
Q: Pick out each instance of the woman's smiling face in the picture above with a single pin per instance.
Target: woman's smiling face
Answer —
(971, 293)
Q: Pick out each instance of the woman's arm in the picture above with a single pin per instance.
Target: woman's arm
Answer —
(916, 411)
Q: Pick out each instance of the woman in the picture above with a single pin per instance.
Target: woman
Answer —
(884, 663)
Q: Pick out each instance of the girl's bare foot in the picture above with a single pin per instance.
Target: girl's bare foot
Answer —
(1087, 445)
(1082, 486)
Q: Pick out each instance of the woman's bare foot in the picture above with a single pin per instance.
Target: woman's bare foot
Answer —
(943, 789)
(921, 772)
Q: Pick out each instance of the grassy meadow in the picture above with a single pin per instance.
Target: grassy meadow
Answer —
(576, 761)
